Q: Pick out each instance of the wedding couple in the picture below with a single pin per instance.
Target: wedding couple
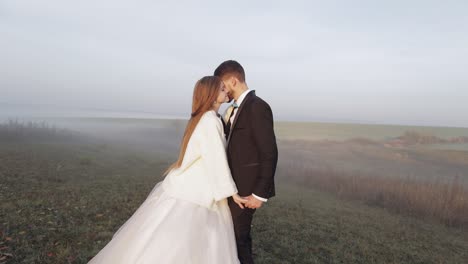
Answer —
(202, 211)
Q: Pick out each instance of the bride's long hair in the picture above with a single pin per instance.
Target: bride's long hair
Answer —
(205, 93)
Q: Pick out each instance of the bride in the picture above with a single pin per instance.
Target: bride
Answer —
(186, 218)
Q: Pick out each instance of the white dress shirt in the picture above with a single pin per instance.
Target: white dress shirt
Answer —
(239, 102)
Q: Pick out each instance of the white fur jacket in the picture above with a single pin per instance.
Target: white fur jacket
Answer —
(204, 177)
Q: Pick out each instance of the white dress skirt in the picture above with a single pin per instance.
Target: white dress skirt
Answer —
(165, 229)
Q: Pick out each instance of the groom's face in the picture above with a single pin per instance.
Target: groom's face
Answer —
(228, 84)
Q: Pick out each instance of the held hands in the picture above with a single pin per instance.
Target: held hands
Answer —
(239, 200)
(249, 201)
(253, 203)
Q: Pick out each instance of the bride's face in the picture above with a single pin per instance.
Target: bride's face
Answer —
(222, 96)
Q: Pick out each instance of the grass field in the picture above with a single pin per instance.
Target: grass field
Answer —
(61, 203)
(62, 198)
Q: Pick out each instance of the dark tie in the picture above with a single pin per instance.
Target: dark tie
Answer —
(228, 125)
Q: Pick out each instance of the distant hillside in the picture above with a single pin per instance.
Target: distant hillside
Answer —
(417, 138)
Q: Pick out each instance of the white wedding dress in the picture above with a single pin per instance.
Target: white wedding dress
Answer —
(185, 218)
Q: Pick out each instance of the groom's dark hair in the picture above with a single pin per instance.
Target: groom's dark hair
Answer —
(230, 67)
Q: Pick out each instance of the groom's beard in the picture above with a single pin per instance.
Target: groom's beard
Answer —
(231, 98)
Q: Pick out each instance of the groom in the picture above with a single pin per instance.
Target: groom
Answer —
(251, 150)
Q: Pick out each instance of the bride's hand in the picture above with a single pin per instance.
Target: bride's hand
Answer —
(239, 200)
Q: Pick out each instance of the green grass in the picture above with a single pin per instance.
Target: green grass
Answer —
(305, 226)
(61, 203)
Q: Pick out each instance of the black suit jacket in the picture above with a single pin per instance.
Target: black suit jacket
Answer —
(252, 151)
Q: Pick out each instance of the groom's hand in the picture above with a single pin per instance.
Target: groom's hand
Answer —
(240, 201)
(253, 203)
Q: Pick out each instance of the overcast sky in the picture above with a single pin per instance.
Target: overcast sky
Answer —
(398, 62)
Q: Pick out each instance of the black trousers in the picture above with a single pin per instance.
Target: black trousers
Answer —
(242, 219)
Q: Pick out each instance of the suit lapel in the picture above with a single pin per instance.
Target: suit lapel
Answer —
(246, 100)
